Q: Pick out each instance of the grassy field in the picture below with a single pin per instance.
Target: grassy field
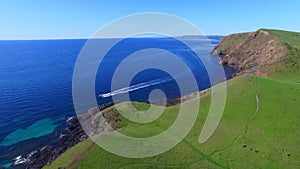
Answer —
(259, 127)
(261, 137)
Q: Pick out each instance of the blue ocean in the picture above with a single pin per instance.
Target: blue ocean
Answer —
(36, 85)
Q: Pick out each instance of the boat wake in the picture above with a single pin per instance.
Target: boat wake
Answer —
(136, 87)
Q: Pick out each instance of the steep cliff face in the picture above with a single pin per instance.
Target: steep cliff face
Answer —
(249, 50)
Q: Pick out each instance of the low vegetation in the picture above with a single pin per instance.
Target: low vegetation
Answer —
(267, 138)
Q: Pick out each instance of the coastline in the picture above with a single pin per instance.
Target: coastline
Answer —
(74, 134)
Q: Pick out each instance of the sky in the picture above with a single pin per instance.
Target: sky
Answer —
(59, 19)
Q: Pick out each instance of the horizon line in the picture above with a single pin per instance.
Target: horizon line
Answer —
(85, 38)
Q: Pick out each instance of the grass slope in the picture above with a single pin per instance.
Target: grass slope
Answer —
(271, 139)
(258, 129)
(289, 70)
(286, 37)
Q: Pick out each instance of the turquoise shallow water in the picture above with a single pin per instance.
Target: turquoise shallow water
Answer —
(36, 95)
(39, 128)
(7, 165)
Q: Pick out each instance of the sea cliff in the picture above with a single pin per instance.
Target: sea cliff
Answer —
(249, 50)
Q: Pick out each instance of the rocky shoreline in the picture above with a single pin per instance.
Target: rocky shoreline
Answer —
(72, 135)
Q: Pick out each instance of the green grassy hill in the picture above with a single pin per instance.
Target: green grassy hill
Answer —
(259, 128)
